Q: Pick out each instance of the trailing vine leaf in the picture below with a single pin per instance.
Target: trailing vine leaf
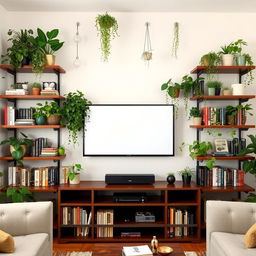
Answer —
(107, 27)
(210, 163)
(175, 41)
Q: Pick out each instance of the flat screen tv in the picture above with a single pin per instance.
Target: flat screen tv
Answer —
(129, 130)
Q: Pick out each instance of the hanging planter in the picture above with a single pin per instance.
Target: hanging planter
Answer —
(176, 41)
(107, 27)
(147, 51)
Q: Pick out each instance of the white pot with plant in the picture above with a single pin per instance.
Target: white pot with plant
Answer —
(196, 113)
(238, 89)
(74, 174)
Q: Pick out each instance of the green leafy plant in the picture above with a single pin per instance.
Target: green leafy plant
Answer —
(231, 111)
(186, 172)
(36, 85)
(19, 194)
(16, 86)
(20, 48)
(214, 132)
(233, 47)
(16, 143)
(75, 111)
(251, 198)
(246, 108)
(175, 42)
(47, 109)
(75, 169)
(107, 27)
(211, 60)
(210, 163)
(214, 84)
(48, 42)
(171, 174)
(199, 149)
(251, 148)
(195, 112)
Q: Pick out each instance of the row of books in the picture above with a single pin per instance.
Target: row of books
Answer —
(16, 92)
(77, 216)
(49, 152)
(35, 177)
(38, 145)
(219, 177)
(105, 217)
(22, 116)
(49, 92)
(180, 217)
(218, 116)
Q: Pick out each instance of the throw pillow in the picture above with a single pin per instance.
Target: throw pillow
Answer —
(250, 237)
(6, 242)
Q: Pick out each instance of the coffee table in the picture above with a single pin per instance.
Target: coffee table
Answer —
(110, 249)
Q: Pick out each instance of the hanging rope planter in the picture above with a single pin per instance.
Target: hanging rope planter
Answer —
(175, 41)
(147, 51)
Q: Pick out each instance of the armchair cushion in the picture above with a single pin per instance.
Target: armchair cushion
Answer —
(250, 237)
(6, 242)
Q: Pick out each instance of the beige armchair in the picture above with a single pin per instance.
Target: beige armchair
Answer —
(31, 225)
(226, 225)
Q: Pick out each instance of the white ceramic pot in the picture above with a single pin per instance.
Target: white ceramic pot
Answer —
(238, 89)
(227, 59)
(76, 180)
(197, 120)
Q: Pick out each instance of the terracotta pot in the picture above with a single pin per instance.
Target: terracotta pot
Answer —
(50, 59)
(24, 147)
(76, 180)
(231, 120)
(197, 120)
(176, 93)
(205, 62)
(36, 91)
(53, 120)
(227, 92)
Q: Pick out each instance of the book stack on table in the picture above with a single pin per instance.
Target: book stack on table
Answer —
(141, 250)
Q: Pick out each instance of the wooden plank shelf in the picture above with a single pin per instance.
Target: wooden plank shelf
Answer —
(32, 126)
(223, 97)
(33, 97)
(36, 189)
(133, 225)
(74, 204)
(244, 188)
(224, 69)
(28, 69)
(32, 158)
(222, 126)
(201, 158)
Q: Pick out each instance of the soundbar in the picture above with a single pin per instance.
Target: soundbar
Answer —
(142, 179)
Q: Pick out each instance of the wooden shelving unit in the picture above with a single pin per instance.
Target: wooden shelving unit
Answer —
(33, 158)
(223, 126)
(223, 97)
(32, 97)
(32, 126)
(241, 158)
(224, 69)
(95, 195)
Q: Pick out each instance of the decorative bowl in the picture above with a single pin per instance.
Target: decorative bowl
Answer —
(164, 250)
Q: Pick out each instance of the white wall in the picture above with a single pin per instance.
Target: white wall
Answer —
(126, 78)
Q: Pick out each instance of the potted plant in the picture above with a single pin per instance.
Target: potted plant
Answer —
(19, 52)
(226, 91)
(212, 86)
(61, 151)
(245, 110)
(18, 195)
(186, 175)
(74, 174)
(171, 178)
(36, 88)
(196, 113)
(231, 112)
(52, 111)
(75, 111)
(18, 146)
(199, 149)
(39, 114)
(48, 43)
(107, 27)
(210, 60)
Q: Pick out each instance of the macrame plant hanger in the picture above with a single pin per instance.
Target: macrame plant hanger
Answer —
(147, 51)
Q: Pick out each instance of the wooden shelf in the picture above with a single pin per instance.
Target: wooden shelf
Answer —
(37, 189)
(244, 188)
(224, 69)
(32, 126)
(35, 158)
(225, 157)
(134, 225)
(33, 97)
(223, 97)
(81, 204)
(28, 69)
(222, 126)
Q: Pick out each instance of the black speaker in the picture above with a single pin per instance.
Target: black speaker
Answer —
(146, 179)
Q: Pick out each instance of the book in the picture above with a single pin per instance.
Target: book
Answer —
(141, 250)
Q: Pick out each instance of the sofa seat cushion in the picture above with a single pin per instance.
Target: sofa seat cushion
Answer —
(229, 244)
(31, 245)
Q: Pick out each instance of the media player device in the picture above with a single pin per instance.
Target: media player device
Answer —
(115, 179)
(130, 197)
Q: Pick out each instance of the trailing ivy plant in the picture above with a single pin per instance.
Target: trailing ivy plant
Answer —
(19, 194)
(75, 111)
(175, 41)
(107, 27)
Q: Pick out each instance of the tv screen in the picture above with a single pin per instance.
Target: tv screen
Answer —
(129, 130)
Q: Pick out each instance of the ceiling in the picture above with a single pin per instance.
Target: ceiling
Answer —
(131, 5)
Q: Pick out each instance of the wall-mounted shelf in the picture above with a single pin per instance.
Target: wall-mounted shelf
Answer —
(224, 69)
(223, 97)
(28, 69)
(244, 127)
(208, 157)
(32, 97)
(32, 126)
(32, 158)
